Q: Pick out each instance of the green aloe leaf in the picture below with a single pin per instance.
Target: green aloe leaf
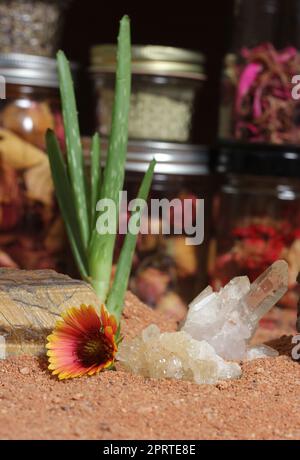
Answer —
(64, 196)
(95, 176)
(102, 246)
(74, 147)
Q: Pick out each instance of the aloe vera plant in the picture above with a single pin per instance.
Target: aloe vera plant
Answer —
(78, 195)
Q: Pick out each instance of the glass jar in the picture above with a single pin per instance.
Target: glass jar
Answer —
(167, 273)
(257, 103)
(31, 26)
(166, 86)
(258, 215)
(31, 231)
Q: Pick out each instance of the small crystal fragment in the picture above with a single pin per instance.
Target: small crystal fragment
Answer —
(261, 351)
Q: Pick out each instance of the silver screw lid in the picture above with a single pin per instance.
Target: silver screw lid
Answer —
(27, 69)
(172, 158)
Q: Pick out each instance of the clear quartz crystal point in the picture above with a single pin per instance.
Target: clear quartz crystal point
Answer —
(266, 291)
(209, 311)
(205, 293)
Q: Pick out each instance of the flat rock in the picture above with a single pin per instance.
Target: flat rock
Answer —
(32, 301)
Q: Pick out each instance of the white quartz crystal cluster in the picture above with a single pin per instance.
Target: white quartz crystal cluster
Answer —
(228, 319)
(217, 331)
(175, 355)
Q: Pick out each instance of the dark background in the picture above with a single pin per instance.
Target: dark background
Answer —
(204, 25)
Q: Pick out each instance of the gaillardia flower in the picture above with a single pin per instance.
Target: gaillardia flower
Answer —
(82, 343)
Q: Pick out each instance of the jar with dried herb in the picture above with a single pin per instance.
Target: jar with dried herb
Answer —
(257, 103)
(166, 87)
(168, 272)
(31, 26)
(31, 232)
(257, 215)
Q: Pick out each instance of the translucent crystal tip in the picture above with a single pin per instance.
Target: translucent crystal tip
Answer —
(268, 289)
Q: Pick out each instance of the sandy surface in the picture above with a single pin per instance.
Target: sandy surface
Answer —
(263, 404)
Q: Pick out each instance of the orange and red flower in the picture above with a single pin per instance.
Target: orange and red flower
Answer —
(82, 343)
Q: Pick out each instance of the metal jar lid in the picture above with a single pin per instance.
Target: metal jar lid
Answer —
(172, 158)
(152, 60)
(258, 159)
(27, 69)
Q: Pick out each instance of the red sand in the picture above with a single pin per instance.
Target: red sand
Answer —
(263, 404)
